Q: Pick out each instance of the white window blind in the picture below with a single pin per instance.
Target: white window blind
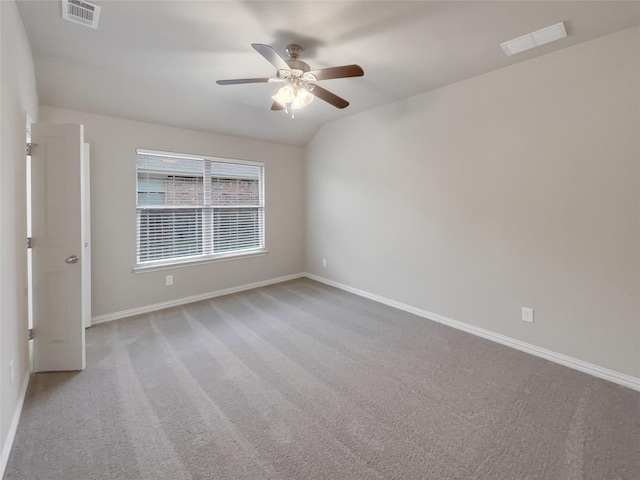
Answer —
(197, 208)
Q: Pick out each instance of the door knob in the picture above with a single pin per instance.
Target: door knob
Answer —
(71, 259)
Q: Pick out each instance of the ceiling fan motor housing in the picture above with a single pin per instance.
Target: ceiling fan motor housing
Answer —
(293, 51)
(295, 64)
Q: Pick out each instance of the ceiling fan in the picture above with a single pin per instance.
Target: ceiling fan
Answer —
(299, 80)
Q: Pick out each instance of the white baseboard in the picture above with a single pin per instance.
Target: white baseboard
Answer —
(13, 427)
(595, 370)
(183, 301)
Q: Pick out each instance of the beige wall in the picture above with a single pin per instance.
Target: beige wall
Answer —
(113, 198)
(517, 188)
(18, 98)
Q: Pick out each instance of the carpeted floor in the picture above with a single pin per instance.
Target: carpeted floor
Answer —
(302, 381)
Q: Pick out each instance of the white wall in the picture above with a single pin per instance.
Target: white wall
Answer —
(113, 198)
(517, 188)
(18, 98)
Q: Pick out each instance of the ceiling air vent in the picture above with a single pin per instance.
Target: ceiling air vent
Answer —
(535, 39)
(79, 11)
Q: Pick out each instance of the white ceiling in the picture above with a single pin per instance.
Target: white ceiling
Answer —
(157, 61)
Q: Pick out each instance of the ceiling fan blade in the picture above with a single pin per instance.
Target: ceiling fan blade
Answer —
(329, 97)
(243, 80)
(272, 57)
(276, 106)
(338, 72)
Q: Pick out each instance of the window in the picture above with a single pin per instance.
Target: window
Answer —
(197, 208)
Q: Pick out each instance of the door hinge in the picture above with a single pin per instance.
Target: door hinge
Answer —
(29, 242)
(31, 334)
(30, 148)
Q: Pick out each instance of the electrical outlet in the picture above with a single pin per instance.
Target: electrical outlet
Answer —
(527, 314)
(12, 372)
(168, 281)
(324, 262)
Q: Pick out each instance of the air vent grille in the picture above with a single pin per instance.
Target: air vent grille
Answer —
(535, 39)
(82, 12)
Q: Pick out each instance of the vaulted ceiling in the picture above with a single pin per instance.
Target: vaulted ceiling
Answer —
(158, 61)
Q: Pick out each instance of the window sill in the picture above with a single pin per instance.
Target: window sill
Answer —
(170, 265)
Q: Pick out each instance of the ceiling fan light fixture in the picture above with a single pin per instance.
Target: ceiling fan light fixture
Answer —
(303, 98)
(293, 97)
(285, 95)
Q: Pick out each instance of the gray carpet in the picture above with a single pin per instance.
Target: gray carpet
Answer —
(302, 381)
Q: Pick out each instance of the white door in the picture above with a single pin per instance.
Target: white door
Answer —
(57, 247)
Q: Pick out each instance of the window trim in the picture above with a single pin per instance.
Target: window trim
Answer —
(181, 262)
(202, 260)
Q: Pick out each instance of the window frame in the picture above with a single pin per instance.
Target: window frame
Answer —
(186, 261)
